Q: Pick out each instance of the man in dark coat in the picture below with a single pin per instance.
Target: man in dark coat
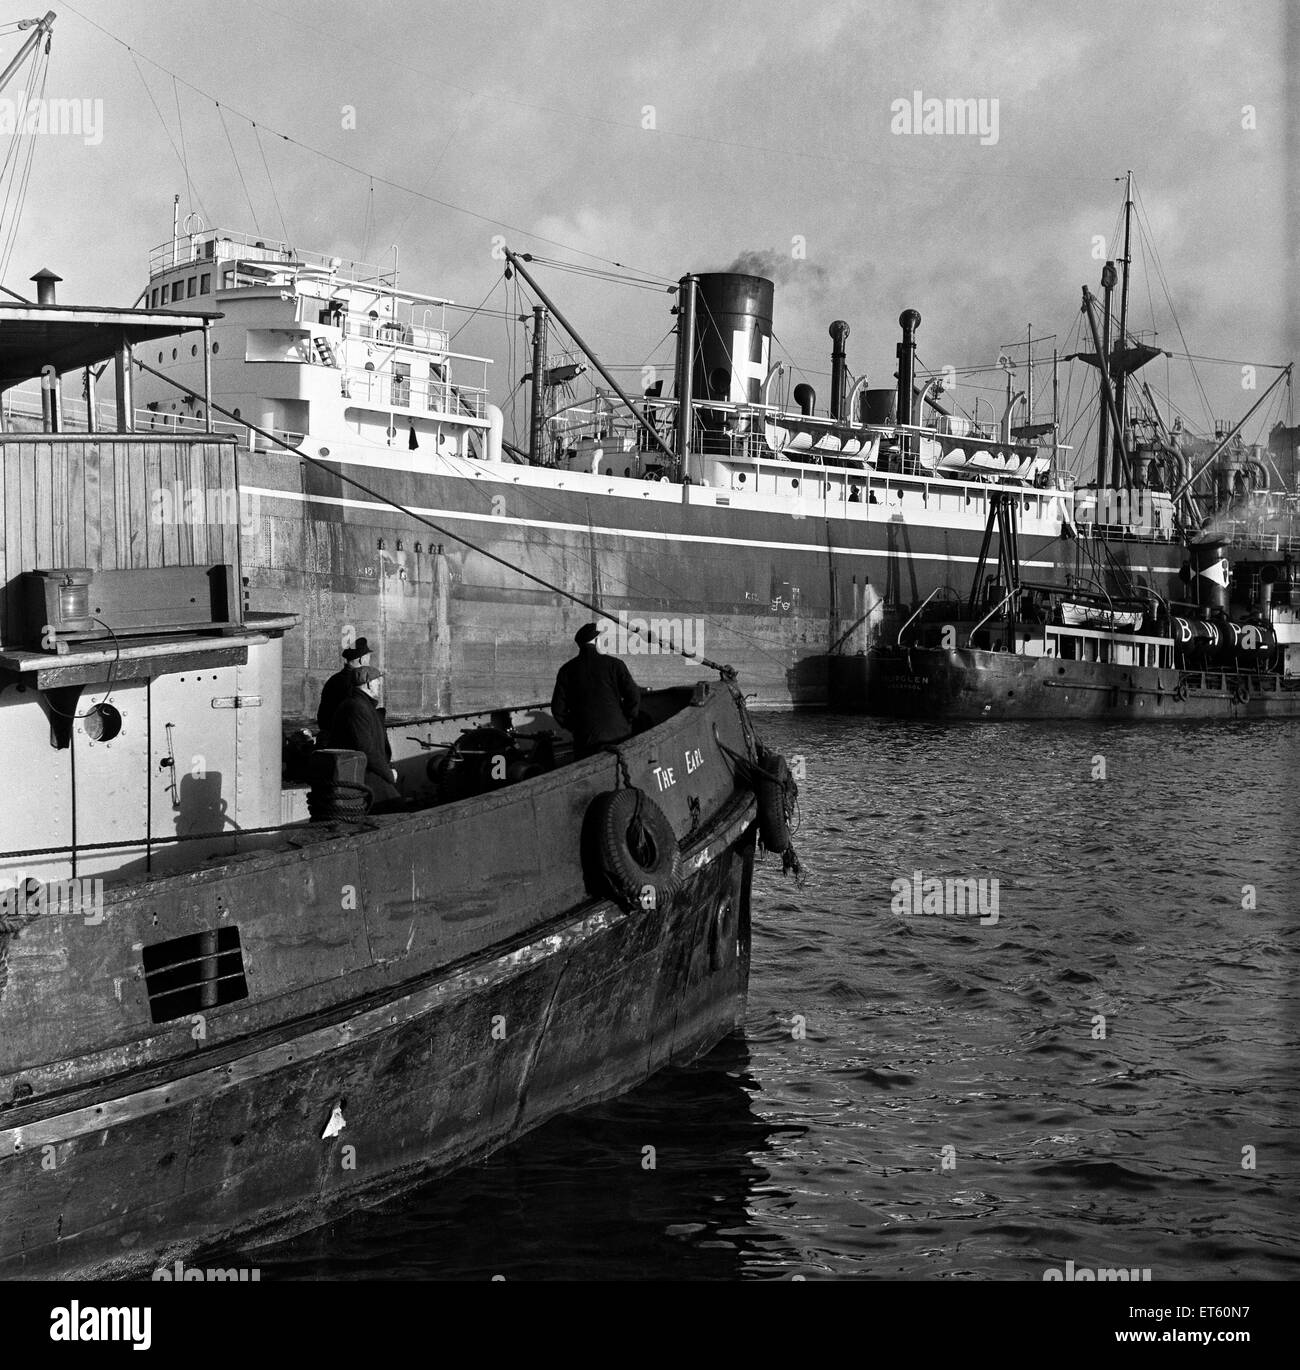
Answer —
(595, 697)
(356, 726)
(337, 688)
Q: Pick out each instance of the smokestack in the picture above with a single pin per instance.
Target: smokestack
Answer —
(839, 332)
(909, 321)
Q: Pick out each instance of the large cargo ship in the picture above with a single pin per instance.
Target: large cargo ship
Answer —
(768, 536)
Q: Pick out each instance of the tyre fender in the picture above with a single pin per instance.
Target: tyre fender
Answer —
(633, 850)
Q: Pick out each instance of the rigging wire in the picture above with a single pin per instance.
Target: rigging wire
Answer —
(368, 219)
(185, 159)
(15, 199)
(1164, 285)
(240, 171)
(197, 195)
(270, 180)
(342, 162)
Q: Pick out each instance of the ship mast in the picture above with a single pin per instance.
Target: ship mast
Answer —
(516, 263)
(1121, 439)
(42, 27)
(537, 409)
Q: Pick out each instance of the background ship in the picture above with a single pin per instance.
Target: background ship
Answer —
(1228, 504)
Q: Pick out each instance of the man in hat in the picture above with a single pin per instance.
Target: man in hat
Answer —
(595, 697)
(339, 685)
(357, 726)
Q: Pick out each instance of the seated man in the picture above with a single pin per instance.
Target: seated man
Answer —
(357, 726)
(595, 697)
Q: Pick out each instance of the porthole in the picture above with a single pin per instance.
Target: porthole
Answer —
(741, 478)
(174, 354)
(216, 347)
(194, 350)
(103, 723)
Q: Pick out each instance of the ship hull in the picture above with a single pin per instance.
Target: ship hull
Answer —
(268, 1123)
(966, 683)
(766, 586)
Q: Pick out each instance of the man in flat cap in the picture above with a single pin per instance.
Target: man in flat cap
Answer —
(595, 697)
(357, 727)
(337, 688)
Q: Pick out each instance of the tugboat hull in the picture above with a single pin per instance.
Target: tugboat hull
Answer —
(268, 1122)
(966, 683)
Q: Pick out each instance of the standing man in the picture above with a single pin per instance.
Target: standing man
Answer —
(337, 688)
(358, 727)
(595, 697)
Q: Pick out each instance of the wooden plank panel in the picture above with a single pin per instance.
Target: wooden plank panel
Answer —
(27, 502)
(74, 505)
(130, 540)
(49, 458)
(203, 547)
(90, 506)
(161, 536)
(225, 458)
(107, 527)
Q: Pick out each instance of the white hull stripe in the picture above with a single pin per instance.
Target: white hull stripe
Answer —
(816, 548)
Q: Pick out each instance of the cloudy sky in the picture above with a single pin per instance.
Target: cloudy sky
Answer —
(689, 134)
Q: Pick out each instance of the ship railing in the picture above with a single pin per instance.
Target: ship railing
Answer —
(221, 245)
(1258, 539)
(384, 390)
(916, 613)
(162, 421)
(1122, 532)
(409, 337)
(24, 401)
(1260, 682)
(992, 613)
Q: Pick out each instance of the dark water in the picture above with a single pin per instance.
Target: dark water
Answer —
(878, 1038)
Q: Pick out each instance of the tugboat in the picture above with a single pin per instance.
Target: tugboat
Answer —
(230, 1005)
(1032, 651)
